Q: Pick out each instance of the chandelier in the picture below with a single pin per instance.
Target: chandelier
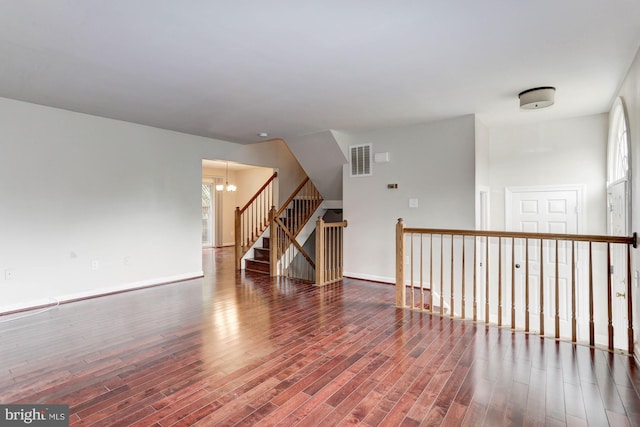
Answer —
(229, 187)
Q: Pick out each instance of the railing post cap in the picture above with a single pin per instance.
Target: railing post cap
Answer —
(400, 220)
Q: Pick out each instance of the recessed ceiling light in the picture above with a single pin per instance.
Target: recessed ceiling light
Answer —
(263, 134)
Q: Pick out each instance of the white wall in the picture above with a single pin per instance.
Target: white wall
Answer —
(630, 93)
(248, 182)
(77, 188)
(483, 154)
(274, 154)
(434, 163)
(571, 151)
(326, 174)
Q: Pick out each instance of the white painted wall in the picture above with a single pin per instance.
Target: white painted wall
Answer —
(571, 151)
(322, 158)
(483, 154)
(630, 93)
(76, 188)
(434, 163)
(248, 182)
(273, 154)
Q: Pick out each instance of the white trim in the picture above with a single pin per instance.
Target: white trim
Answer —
(483, 189)
(370, 277)
(580, 203)
(101, 292)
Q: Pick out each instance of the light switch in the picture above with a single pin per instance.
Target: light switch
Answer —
(413, 203)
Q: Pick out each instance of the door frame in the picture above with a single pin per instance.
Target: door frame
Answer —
(483, 222)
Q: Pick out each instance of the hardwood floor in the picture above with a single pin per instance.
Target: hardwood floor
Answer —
(235, 349)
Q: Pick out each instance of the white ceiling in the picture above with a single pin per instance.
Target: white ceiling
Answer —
(232, 69)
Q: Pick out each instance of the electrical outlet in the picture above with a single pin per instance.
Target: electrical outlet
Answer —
(127, 260)
(9, 274)
(95, 264)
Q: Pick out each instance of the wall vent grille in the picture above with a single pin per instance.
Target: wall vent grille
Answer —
(360, 159)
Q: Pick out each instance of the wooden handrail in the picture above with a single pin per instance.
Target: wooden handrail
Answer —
(500, 288)
(633, 240)
(294, 193)
(255, 196)
(344, 223)
(251, 221)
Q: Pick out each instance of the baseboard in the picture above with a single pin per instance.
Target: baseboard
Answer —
(95, 293)
(371, 278)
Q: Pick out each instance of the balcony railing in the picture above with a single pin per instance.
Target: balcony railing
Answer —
(580, 285)
(329, 251)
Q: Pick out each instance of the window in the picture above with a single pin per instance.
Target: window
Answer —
(618, 145)
(207, 214)
(618, 173)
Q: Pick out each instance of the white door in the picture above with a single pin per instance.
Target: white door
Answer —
(544, 211)
(618, 224)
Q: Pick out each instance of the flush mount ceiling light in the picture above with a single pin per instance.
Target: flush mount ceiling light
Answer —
(536, 98)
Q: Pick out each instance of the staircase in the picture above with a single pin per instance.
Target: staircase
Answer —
(260, 261)
(281, 248)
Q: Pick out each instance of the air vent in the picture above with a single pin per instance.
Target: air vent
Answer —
(360, 159)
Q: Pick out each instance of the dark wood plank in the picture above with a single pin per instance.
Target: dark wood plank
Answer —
(245, 349)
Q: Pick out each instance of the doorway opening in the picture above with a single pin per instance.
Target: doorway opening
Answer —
(219, 204)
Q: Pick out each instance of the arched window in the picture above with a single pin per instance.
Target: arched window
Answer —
(618, 171)
(618, 147)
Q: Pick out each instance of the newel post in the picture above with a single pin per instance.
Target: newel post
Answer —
(401, 290)
(238, 238)
(320, 252)
(273, 243)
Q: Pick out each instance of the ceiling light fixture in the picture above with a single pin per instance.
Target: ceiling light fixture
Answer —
(536, 98)
(229, 187)
(263, 134)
